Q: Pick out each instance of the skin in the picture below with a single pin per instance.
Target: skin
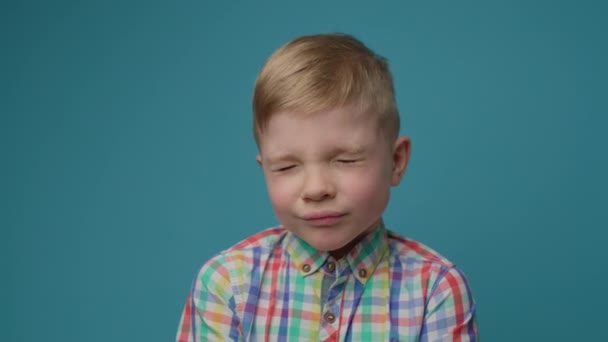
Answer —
(329, 174)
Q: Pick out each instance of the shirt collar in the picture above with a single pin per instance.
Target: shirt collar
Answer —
(362, 259)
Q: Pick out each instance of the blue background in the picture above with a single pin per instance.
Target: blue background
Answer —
(127, 157)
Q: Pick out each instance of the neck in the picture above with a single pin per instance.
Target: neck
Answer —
(342, 251)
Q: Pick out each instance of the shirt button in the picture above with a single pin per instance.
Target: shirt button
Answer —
(362, 273)
(306, 268)
(329, 316)
(331, 266)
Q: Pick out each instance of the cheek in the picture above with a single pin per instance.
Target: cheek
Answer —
(369, 189)
(281, 194)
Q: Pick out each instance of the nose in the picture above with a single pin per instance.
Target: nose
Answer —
(318, 185)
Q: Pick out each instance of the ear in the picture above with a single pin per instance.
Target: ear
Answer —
(258, 158)
(401, 156)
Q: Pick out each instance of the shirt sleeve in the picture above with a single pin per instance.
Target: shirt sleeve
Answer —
(210, 311)
(450, 313)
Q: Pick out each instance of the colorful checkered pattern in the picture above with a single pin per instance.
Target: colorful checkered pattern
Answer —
(270, 288)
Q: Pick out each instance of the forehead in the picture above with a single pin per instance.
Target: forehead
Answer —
(347, 128)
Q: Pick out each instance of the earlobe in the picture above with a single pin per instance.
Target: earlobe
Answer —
(401, 156)
(258, 158)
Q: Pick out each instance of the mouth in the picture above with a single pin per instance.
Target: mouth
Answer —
(323, 219)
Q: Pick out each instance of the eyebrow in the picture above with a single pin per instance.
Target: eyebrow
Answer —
(353, 150)
(279, 158)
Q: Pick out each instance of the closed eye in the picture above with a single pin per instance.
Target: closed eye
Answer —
(284, 168)
(347, 161)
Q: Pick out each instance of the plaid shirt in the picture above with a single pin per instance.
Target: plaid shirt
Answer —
(273, 286)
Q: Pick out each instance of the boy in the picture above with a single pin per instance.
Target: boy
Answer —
(326, 125)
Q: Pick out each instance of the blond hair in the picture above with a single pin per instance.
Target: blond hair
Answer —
(323, 72)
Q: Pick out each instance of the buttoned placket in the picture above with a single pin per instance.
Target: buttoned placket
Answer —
(332, 300)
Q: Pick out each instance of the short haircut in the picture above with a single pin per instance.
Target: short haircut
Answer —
(323, 72)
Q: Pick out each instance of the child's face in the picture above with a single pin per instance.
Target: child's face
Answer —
(329, 174)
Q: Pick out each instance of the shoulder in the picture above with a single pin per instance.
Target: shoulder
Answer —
(411, 251)
(265, 239)
(430, 271)
(247, 255)
(417, 263)
(419, 272)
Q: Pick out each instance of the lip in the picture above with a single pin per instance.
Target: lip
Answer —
(323, 218)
